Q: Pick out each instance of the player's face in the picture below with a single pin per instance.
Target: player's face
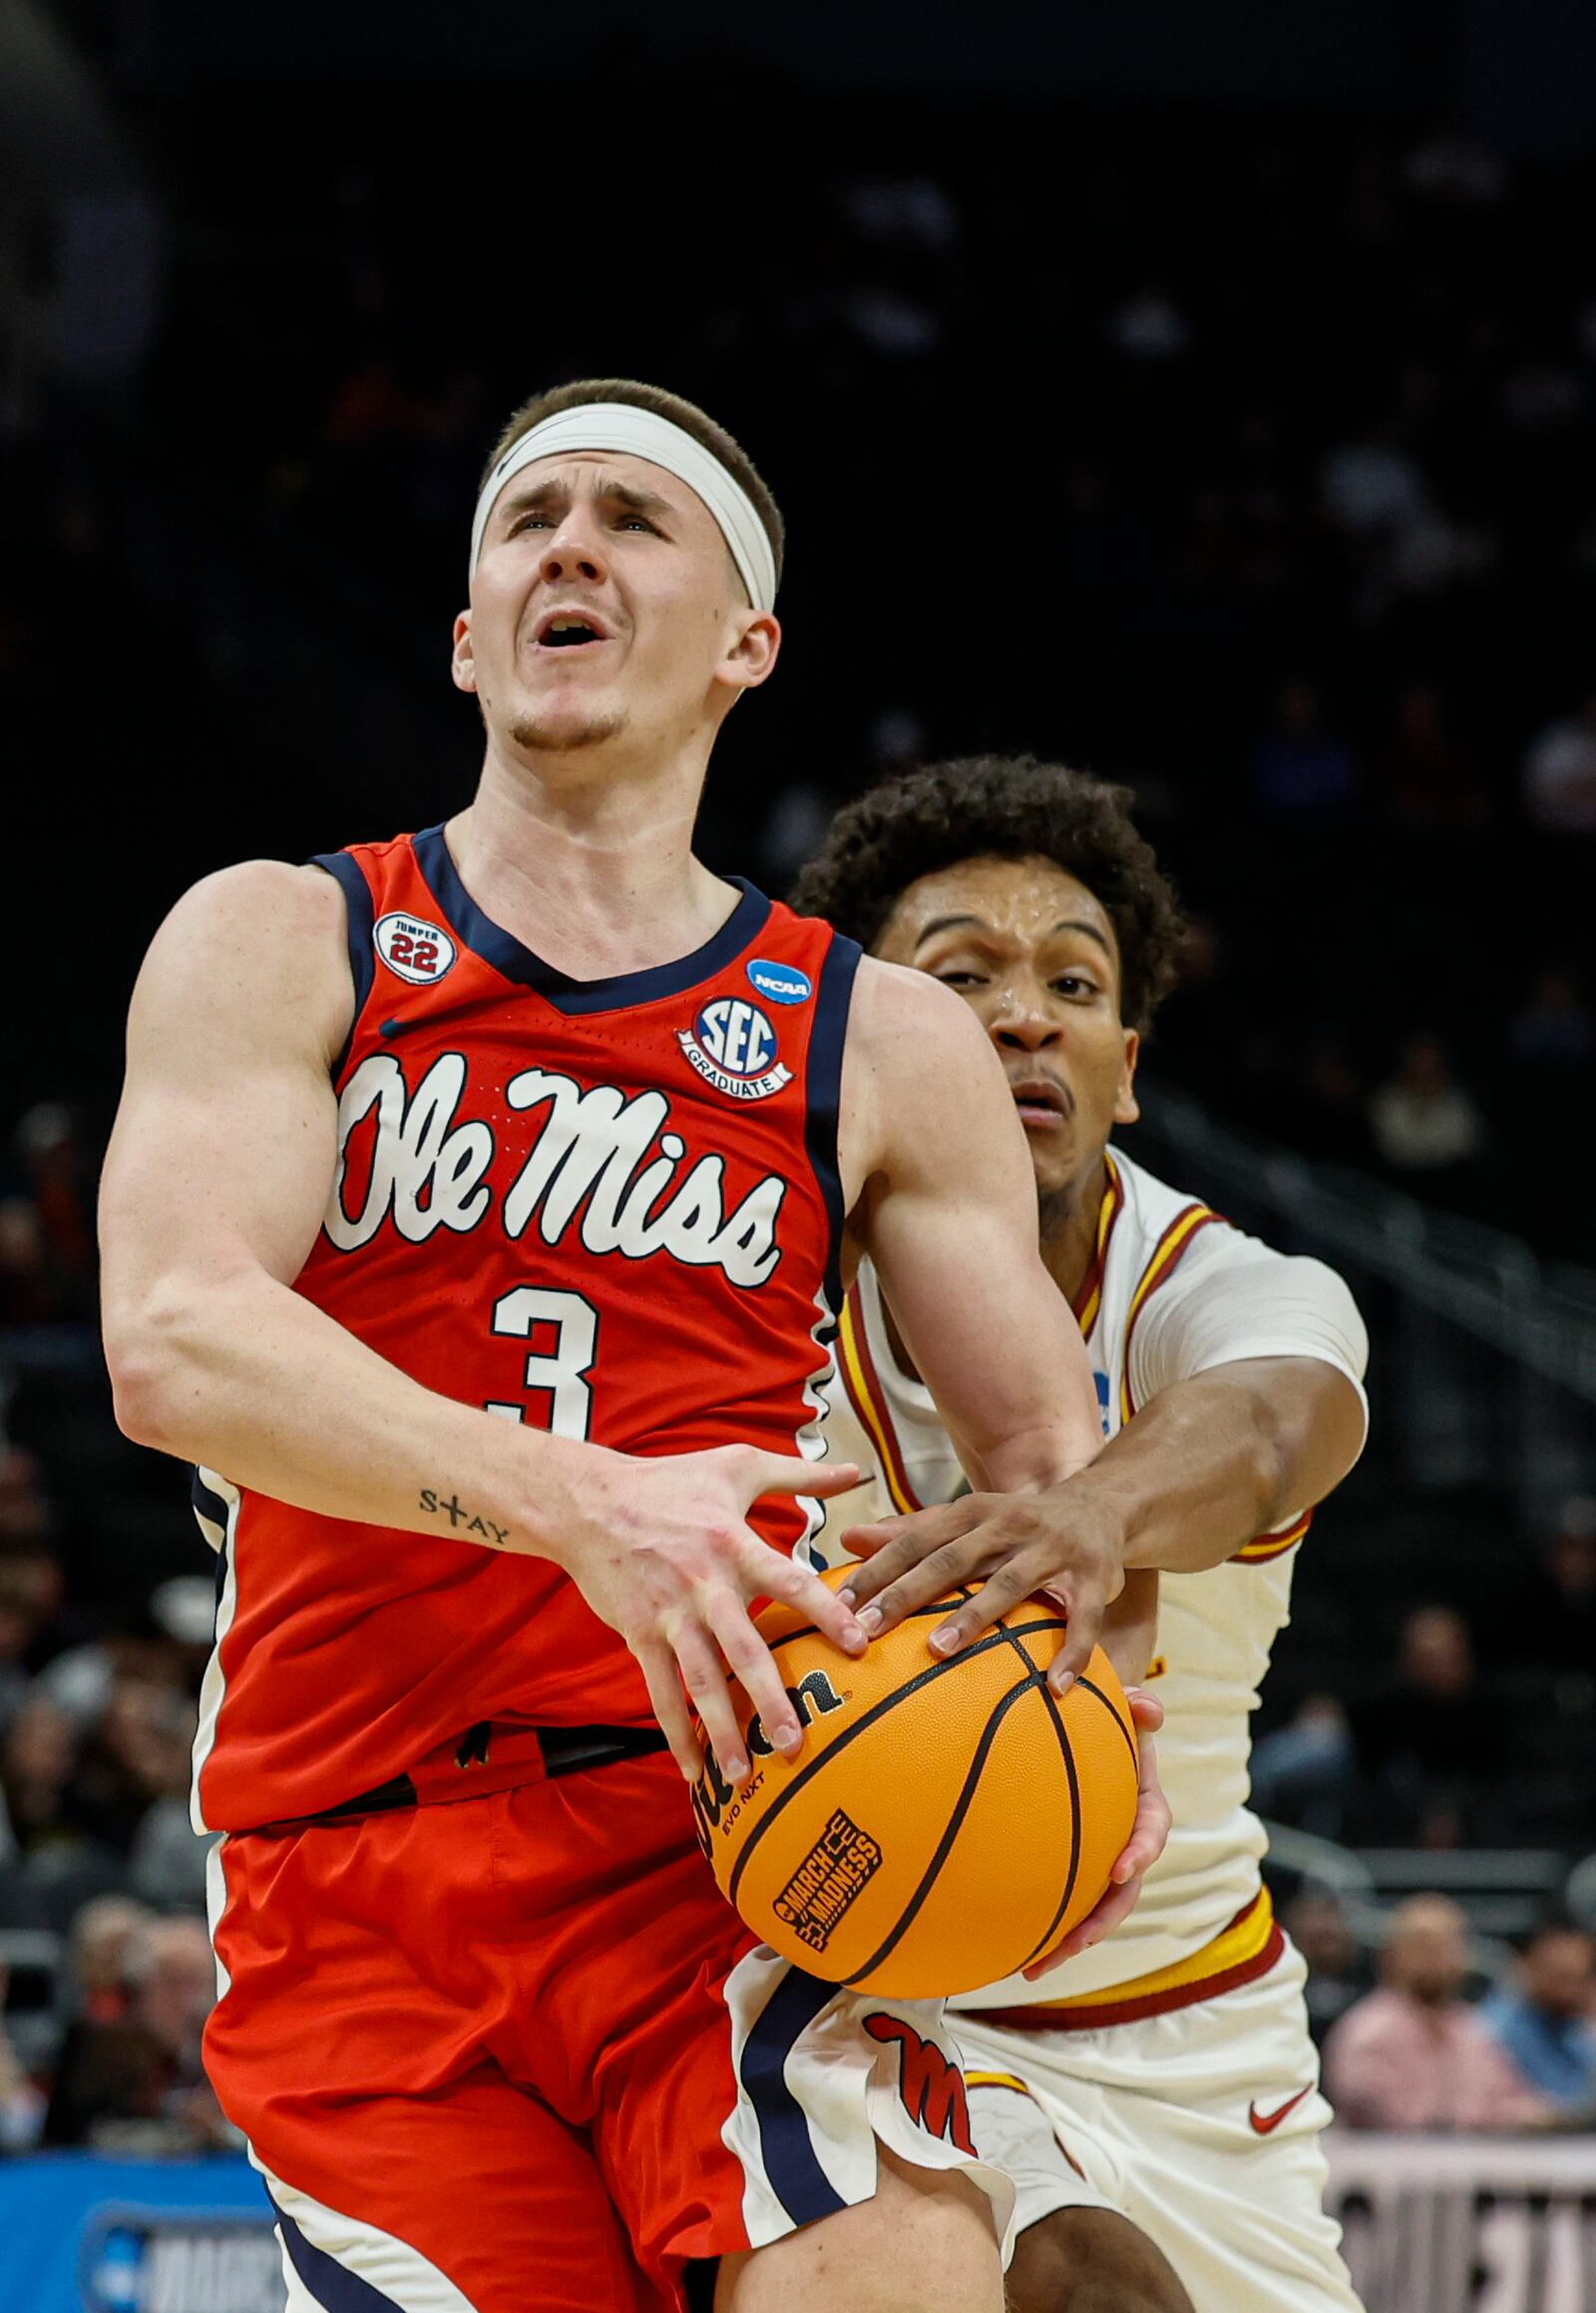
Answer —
(604, 605)
(1034, 956)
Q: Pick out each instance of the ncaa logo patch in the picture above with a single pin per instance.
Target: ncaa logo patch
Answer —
(417, 950)
(780, 984)
(733, 1047)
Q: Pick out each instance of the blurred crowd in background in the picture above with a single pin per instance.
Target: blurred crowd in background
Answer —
(1253, 465)
(106, 1616)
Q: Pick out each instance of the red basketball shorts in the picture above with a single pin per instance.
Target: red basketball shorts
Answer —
(516, 2055)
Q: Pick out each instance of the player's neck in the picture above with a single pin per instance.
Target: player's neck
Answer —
(597, 875)
(1069, 1229)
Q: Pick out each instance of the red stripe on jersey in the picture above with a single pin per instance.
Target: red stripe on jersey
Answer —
(611, 1208)
(870, 1401)
(1275, 1545)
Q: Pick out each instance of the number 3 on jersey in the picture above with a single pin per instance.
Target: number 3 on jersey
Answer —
(563, 1369)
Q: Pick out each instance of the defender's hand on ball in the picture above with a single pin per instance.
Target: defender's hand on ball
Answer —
(670, 1561)
(1141, 1851)
(1018, 1542)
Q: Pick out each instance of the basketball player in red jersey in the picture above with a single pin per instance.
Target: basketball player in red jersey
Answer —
(475, 1220)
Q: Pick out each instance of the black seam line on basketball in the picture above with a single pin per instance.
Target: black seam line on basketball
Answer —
(1092, 1688)
(1073, 1780)
(1031, 1676)
(955, 1824)
(876, 1710)
(1071, 1776)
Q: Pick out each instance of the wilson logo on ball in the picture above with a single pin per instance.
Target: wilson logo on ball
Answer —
(715, 1803)
(417, 950)
(732, 1045)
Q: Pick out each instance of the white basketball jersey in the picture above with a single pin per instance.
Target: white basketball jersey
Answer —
(1160, 1258)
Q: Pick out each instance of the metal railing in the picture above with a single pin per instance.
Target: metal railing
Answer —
(1490, 1283)
(1483, 1366)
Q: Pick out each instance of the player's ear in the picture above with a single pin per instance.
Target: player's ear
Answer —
(752, 656)
(1126, 1107)
(462, 665)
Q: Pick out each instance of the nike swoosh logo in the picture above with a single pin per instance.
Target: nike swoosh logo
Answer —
(1265, 2122)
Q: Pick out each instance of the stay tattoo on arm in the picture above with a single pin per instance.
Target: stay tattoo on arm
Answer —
(461, 1520)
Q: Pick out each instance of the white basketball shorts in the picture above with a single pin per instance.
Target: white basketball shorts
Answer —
(1201, 2126)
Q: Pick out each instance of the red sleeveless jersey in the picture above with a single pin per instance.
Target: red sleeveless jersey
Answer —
(608, 1208)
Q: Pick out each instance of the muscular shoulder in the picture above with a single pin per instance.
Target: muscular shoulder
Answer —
(262, 941)
(1230, 1297)
(893, 1003)
(238, 903)
(918, 1074)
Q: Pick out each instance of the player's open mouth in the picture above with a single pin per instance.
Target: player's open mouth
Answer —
(568, 630)
(1039, 1101)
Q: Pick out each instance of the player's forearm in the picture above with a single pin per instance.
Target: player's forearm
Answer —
(1035, 1459)
(1036, 1422)
(1213, 1461)
(251, 1379)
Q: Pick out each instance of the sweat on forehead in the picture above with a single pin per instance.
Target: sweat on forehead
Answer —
(1031, 899)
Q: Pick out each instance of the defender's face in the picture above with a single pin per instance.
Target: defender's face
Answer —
(605, 601)
(1034, 956)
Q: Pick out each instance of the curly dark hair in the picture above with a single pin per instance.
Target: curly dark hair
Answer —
(1007, 807)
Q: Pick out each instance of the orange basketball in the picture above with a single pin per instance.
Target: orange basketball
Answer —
(944, 1823)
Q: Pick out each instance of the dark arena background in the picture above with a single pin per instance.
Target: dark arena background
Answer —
(1204, 396)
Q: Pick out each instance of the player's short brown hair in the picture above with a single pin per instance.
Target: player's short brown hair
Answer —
(687, 415)
(1007, 807)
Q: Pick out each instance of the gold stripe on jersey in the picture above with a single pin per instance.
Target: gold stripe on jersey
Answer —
(1275, 1545)
(1089, 1299)
(869, 1401)
(1166, 1256)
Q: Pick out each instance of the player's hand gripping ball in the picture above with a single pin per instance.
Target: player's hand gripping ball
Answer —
(946, 1821)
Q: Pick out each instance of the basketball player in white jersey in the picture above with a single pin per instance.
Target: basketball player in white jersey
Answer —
(1157, 2101)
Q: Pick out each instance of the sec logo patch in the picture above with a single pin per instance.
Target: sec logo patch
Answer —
(732, 1045)
(417, 950)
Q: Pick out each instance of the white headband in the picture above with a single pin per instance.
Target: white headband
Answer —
(642, 434)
